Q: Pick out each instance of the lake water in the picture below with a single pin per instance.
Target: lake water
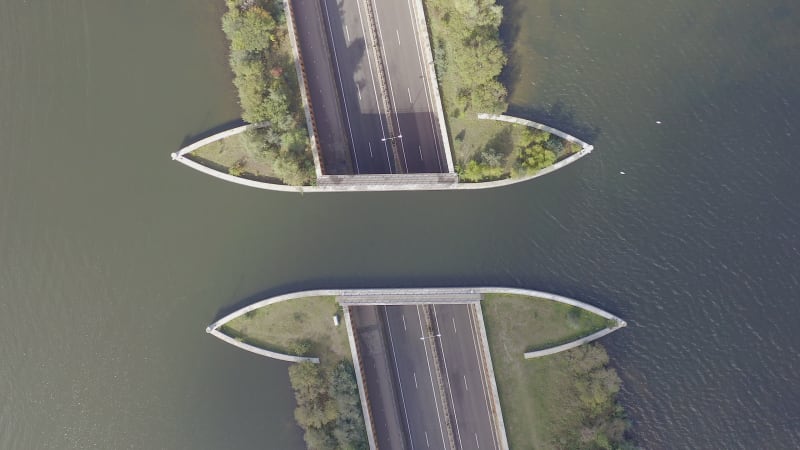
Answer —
(114, 258)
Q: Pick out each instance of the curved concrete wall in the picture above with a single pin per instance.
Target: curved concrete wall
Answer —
(426, 292)
(213, 329)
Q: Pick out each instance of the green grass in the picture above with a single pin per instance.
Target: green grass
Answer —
(236, 153)
(279, 326)
(541, 398)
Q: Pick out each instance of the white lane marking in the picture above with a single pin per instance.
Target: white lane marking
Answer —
(447, 377)
(476, 441)
(370, 149)
(428, 94)
(389, 76)
(426, 439)
(398, 36)
(454, 326)
(375, 90)
(359, 91)
(420, 153)
(409, 96)
(484, 380)
(430, 374)
(465, 383)
(415, 380)
(335, 58)
(397, 370)
(404, 322)
(347, 31)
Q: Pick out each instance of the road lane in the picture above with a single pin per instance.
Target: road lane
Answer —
(466, 381)
(412, 100)
(415, 371)
(356, 68)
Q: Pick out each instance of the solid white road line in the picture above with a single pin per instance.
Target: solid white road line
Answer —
(430, 374)
(447, 377)
(397, 370)
(375, 90)
(427, 82)
(346, 113)
(484, 380)
(389, 76)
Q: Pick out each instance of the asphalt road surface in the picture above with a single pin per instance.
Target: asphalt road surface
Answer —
(356, 67)
(466, 383)
(400, 362)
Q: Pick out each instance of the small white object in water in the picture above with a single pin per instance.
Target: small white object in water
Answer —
(621, 172)
(658, 122)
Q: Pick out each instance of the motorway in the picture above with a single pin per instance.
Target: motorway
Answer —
(411, 120)
(398, 357)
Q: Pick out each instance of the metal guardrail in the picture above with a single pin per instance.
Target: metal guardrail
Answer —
(385, 98)
(437, 368)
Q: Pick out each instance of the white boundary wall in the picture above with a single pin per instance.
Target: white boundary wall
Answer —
(377, 187)
(410, 294)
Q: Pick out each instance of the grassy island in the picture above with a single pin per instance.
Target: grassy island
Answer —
(565, 400)
(328, 404)
(264, 74)
(469, 58)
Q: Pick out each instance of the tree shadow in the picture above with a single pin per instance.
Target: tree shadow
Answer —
(191, 138)
(509, 32)
(559, 117)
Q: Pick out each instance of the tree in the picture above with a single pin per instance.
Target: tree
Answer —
(249, 30)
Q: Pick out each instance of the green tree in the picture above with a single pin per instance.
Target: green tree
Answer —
(249, 30)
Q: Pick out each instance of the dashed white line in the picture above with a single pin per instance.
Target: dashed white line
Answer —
(347, 31)
(375, 90)
(476, 441)
(465, 383)
(404, 322)
(415, 380)
(339, 73)
(426, 439)
(454, 326)
(370, 149)
(430, 374)
(397, 370)
(447, 377)
(409, 96)
(359, 92)
(398, 37)
(420, 153)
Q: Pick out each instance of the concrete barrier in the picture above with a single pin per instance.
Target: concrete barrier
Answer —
(378, 183)
(421, 26)
(426, 294)
(216, 137)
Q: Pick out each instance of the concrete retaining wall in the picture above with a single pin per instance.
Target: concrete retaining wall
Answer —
(425, 41)
(376, 185)
(428, 293)
(213, 329)
(221, 135)
(299, 67)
